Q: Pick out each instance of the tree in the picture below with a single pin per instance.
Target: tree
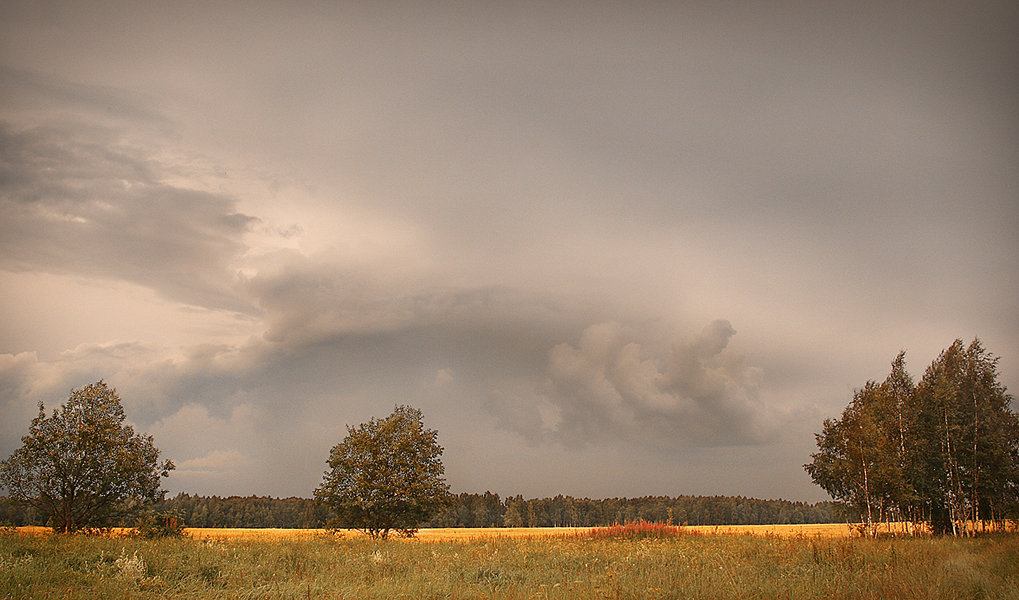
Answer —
(858, 462)
(899, 426)
(944, 452)
(969, 440)
(82, 466)
(386, 475)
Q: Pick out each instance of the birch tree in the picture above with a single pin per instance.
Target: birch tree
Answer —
(944, 452)
(857, 462)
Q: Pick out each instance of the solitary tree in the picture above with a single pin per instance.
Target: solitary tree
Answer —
(386, 475)
(82, 466)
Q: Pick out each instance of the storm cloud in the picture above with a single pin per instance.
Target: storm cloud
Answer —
(541, 223)
(77, 200)
(626, 383)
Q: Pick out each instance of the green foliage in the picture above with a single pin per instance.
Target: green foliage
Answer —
(487, 510)
(858, 462)
(477, 510)
(159, 525)
(82, 467)
(386, 475)
(246, 511)
(943, 452)
(18, 513)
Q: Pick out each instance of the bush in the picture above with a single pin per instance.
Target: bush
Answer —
(160, 525)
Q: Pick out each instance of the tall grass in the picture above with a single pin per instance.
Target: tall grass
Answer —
(683, 566)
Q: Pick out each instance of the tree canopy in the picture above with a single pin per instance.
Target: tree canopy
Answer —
(386, 475)
(82, 466)
(943, 452)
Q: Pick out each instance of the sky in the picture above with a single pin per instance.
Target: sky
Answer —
(608, 249)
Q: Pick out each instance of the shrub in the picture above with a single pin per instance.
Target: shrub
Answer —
(160, 525)
(131, 567)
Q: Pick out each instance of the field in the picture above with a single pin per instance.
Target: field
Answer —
(547, 564)
(838, 530)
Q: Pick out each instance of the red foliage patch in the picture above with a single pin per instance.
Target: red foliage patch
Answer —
(637, 530)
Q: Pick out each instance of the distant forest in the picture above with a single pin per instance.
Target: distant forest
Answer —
(486, 510)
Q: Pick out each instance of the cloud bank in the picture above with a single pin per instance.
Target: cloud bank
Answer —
(540, 223)
(78, 201)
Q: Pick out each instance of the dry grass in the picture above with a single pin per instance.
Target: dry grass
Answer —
(508, 564)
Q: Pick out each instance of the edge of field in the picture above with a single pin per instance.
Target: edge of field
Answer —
(834, 530)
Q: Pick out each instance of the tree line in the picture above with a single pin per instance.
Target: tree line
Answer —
(941, 453)
(481, 510)
(488, 510)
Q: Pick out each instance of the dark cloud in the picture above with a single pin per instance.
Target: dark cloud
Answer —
(311, 300)
(515, 216)
(78, 200)
(625, 383)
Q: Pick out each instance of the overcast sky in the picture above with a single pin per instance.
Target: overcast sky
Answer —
(608, 248)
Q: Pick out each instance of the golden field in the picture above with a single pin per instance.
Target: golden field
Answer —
(834, 530)
(813, 530)
(828, 530)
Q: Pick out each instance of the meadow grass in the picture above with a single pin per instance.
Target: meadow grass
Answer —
(576, 565)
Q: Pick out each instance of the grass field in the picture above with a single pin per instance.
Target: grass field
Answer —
(569, 564)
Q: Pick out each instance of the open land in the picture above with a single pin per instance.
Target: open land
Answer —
(836, 530)
(471, 533)
(829, 530)
(509, 564)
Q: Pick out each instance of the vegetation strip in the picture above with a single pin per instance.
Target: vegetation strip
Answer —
(549, 567)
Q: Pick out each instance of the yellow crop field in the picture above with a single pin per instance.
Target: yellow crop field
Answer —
(825, 530)
(828, 530)
(832, 530)
(220, 533)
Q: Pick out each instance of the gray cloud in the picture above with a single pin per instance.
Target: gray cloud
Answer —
(261, 225)
(626, 383)
(31, 94)
(76, 199)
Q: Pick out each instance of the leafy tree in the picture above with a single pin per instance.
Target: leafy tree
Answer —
(969, 470)
(899, 422)
(82, 466)
(515, 509)
(857, 462)
(944, 452)
(386, 475)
